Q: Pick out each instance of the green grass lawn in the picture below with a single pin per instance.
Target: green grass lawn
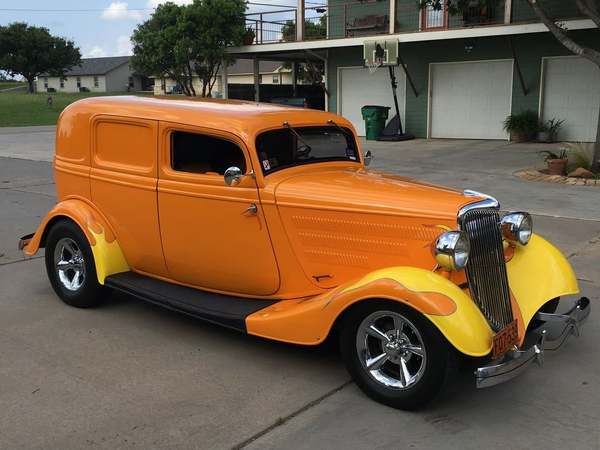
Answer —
(21, 109)
(11, 84)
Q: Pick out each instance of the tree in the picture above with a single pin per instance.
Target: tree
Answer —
(191, 40)
(31, 51)
(312, 30)
(587, 8)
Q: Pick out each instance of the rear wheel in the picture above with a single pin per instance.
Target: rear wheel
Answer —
(70, 266)
(394, 354)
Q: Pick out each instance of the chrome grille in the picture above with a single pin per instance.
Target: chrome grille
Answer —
(486, 269)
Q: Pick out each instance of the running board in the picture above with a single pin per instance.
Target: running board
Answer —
(224, 310)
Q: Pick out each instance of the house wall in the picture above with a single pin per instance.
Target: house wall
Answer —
(408, 15)
(70, 84)
(529, 48)
(117, 80)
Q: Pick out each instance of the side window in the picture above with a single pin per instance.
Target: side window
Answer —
(199, 153)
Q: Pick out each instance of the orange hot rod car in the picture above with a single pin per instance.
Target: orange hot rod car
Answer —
(265, 219)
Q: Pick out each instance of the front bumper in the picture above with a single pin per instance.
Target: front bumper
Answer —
(550, 336)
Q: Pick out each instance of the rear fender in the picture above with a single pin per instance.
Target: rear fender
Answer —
(108, 256)
(441, 301)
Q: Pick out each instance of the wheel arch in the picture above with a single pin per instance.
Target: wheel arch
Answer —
(108, 256)
(441, 301)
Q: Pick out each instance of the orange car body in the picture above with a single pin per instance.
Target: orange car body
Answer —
(324, 237)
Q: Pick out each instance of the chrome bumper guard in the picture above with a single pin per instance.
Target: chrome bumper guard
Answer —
(550, 336)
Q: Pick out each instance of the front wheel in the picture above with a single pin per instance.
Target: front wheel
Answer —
(70, 266)
(394, 354)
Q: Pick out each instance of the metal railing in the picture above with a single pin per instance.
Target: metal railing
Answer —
(340, 19)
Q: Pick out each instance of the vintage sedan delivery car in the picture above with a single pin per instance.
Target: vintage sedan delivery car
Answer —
(265, 219)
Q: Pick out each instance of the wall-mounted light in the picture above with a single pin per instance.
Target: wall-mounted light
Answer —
(469, 45)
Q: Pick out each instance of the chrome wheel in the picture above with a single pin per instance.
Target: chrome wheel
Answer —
(69, 264)
(391, 349)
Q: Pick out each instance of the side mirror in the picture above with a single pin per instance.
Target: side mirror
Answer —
(233, 176)
(368, 157)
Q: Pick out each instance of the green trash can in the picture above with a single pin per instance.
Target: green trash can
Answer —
(375, 118)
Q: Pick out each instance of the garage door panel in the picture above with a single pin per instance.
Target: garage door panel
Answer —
(470, 100)
(358, 88)
(572, 93)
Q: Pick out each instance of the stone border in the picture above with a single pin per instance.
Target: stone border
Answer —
(536, 175)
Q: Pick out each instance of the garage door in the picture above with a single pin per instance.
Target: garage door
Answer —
(357, 88)
(571, 91)
(470, 100)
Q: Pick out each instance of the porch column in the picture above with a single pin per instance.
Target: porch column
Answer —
(294, 79)
(300, 21)
(507, 11)
(256, 80)
(392, 16)
(224, 80)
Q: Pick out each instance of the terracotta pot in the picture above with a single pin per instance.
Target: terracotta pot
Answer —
(248, 39)
(557, 166)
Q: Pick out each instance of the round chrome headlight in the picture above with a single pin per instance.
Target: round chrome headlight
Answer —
(517, 227)
(452, 250)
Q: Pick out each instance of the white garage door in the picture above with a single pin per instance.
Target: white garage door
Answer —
(357, 88)
(572, 93)
(470, 100)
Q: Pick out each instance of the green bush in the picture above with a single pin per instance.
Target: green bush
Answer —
(525, 122)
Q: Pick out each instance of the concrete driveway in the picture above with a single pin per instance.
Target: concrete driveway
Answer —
(130, 375)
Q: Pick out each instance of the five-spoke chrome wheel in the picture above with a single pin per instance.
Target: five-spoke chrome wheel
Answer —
(391, 349)
(69, 264)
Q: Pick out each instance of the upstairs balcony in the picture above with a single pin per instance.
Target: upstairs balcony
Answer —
(335, 19)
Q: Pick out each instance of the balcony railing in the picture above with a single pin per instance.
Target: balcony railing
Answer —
(341, 19)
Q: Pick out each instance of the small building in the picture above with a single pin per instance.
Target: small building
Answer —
(110, 74)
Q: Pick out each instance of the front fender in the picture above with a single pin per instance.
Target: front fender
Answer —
(108, 257)
(448, 307)
(537, 273)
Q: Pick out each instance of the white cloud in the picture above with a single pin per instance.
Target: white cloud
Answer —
(121, 11)
(124, 47)
(95, 52)
(155, 3)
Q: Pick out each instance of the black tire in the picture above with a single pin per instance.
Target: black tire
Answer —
(88, 292)
(437, 363)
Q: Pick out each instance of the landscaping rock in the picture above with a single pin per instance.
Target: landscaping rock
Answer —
(581, 172)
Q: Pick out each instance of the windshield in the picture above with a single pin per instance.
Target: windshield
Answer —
(287, 147)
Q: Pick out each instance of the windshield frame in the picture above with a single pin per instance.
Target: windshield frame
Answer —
(340, 129)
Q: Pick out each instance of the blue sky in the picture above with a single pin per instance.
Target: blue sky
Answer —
(103, 31)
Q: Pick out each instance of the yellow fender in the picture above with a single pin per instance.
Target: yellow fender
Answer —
(537, 273)
(108, 256)
(448, 307)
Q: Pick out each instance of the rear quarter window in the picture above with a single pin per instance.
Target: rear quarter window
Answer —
(125, 145)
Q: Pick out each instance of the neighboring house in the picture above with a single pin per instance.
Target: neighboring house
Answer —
(469, 71)
(110, 74)
(240, 72)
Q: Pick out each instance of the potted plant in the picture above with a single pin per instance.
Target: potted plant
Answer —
(549, 130)
(556, 162)
(249, 36)
(522, 126)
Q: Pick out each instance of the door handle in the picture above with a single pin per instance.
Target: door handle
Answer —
(251, 210)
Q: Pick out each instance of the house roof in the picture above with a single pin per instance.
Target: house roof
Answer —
(96, 66)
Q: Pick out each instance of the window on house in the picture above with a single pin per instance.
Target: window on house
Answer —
(62, 83)
(130, 82)
(163, 85)
(198, 153)
(45, 82)
(275, 79)
(96, 82)
(78, 82)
